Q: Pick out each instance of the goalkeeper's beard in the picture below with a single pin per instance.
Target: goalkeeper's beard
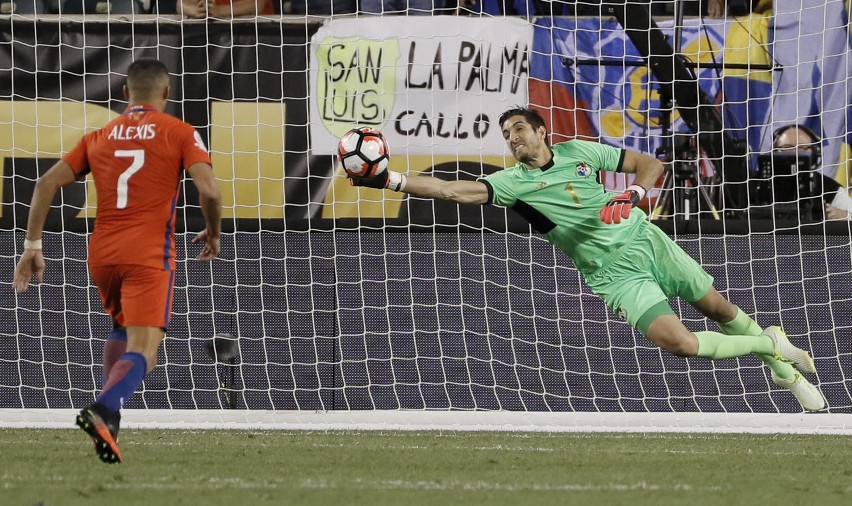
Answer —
(524, 156)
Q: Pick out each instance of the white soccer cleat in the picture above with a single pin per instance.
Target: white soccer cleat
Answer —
(785, 351)
(805, 392)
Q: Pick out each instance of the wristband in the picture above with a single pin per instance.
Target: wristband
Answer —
(396, 181)
(638, 189)
(28, 244)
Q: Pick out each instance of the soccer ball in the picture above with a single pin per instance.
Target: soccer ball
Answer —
(363, 152)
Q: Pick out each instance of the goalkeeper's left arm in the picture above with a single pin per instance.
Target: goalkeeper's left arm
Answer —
(462, 192)
(647, 170)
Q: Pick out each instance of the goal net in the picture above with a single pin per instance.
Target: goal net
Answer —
(333, 298)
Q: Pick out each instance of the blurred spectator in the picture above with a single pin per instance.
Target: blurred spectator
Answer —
(224, 9)
(837, 204)
(410, 7)
(605, 8)
(832, 212)
(24, 7)
(718, 9)
(165, 7)
(100, 7)
(526, 8)
(810, 42)
(323, 7)
(530, 8)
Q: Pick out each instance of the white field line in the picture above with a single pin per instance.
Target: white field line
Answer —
(501, 487)
(217, 483)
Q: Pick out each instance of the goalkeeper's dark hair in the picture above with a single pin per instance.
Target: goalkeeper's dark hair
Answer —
(146, 77)
(531, 115)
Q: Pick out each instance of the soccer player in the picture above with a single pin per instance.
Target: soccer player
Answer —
(626, 260)
(137, 161)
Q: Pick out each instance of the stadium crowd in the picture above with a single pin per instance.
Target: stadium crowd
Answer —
(247, 8)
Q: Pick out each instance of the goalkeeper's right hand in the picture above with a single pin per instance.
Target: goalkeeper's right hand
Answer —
(385, 179)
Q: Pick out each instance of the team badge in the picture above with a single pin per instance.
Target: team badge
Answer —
(539, 186)
(583, 170)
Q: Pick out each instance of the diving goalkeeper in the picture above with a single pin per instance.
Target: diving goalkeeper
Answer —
(626, 260)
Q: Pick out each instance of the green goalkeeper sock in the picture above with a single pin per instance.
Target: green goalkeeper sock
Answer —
(743, 324)
(714, 345)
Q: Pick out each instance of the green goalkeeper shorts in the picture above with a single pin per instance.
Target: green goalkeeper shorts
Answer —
(648, 272)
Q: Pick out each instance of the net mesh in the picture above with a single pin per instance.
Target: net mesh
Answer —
(346, 299)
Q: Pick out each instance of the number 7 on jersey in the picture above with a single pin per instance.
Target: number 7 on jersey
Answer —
(138, 156)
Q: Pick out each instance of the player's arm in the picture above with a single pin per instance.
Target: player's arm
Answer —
(647, 170)
(32, 261)
(462, 192)
(235, 8)
(210, 199)
(192, 8)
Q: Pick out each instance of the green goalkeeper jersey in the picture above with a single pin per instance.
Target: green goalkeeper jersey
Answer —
(563, 200)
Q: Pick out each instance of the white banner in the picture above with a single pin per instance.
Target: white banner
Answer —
(432, 85)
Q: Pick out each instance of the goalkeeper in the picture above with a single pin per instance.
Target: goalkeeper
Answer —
(626, 260)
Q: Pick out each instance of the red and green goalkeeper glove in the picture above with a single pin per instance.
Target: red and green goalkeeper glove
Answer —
(619, 207)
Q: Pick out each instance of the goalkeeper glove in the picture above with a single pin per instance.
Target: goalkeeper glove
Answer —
(386, 179)
(619, 207)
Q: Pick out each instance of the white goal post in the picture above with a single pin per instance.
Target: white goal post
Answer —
(355, 308)
(462, 421)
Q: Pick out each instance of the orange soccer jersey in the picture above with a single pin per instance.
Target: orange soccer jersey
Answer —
(137, 161)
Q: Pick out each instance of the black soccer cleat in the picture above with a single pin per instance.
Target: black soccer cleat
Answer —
(103, 429)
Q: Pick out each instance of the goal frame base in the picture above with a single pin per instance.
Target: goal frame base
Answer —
(753, 423)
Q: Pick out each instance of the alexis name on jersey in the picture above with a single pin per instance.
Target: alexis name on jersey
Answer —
(132, 133)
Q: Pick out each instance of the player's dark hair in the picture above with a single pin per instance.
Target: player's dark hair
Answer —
(531, 115)
(146, 76)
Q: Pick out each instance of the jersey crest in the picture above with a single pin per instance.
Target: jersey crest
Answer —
(583, 170)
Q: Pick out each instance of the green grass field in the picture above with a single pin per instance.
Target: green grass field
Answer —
(243, 468)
